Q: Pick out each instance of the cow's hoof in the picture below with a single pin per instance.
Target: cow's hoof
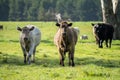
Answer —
(100, 47)
(73, 65)
(25, 62)
(29, 62)
(60, 63)
(69, 64)
(63, 65)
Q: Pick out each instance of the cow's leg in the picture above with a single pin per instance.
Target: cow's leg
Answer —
(61, 57)
(100, 43)
(24, 54)
(69, 57)
(25, 58)
(33, 60)
(106, 42)
(29, 54)
(28, 59)
(72, 58)
(110, 43)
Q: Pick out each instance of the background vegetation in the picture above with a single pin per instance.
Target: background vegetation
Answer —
(44, 10)
(91, 62)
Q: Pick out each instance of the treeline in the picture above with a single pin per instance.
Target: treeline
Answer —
(44, 10)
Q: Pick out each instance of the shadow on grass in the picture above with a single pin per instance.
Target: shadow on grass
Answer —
(2, 40)
(10, 59)
(18, 60)
(116, 44)
(99, 62)
(52, 62)
(46, 41)
(15, 41)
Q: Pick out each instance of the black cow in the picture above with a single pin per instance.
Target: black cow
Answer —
(103, 31)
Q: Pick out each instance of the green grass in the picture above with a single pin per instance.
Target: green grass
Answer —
(91, 62)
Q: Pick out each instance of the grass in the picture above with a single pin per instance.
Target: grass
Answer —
(91, 62)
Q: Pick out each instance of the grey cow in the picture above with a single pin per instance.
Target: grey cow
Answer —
(29, 39)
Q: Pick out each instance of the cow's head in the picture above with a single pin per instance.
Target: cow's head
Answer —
(97, 28)
(96, 31)
(63, 26)
(25, 33)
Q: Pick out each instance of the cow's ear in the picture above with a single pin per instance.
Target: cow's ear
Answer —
(92, 24)
(19, 29)
(57, 24)
(70, 24)
(32, 28)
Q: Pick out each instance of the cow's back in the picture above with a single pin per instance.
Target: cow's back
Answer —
(77, 30)
(75, 34)
(105, 31)
(108, 30)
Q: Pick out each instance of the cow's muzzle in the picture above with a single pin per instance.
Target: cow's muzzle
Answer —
(64, 34)
(25, 39)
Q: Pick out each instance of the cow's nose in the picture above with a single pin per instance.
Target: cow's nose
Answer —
(64, 34)
(25, 39)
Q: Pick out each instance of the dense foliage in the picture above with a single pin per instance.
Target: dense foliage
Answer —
(44, 10)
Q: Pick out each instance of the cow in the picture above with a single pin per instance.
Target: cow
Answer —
(65, 39)
(29, 39)
(84, 37)
(1, 27)
(103, 31)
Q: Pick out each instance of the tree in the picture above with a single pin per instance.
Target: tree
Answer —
(44, 10)
(41, 13)
(111, 14)
(4, 10)
(12, 15)
(19, 10)
(89, 10)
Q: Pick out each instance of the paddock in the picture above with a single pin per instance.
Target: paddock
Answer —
(91, 62)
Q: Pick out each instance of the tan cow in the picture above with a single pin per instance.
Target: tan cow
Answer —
(65, 40)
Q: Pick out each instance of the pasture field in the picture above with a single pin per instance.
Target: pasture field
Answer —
(91, 63)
